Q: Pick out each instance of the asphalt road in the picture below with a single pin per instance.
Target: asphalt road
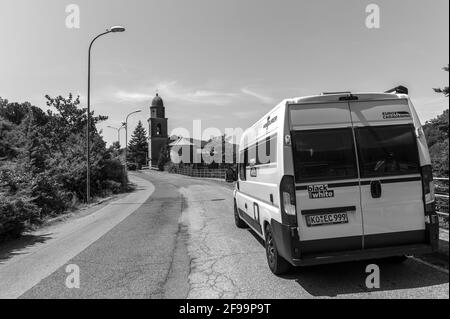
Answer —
(181, 242)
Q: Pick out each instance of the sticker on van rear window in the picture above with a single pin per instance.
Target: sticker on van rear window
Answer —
(396, 115)
(320, 191)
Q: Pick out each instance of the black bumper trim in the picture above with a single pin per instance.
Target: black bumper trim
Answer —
(323, 251)
(362, 254)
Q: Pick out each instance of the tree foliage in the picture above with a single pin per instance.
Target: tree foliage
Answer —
(43, 161)
(138, 146)
(444, 90)
(436, 132)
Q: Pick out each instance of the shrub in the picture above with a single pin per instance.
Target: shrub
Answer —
(15, 214)
(172, 168)
(113, 186)
(114, 170)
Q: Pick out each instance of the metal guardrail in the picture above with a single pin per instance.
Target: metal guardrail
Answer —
(442, 196)
(203, 173)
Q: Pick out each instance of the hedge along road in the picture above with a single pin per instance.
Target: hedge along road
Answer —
(182, 243)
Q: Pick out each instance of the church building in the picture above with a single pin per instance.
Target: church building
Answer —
(157, 130)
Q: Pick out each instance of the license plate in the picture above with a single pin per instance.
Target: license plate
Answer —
(327, 219)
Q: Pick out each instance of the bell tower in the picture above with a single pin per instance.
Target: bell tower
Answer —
(157, 130)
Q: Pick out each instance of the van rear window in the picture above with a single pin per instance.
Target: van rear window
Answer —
(387, 150)
(322, 155)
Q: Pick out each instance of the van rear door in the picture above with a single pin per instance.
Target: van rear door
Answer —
(391, 187)
(327, 188)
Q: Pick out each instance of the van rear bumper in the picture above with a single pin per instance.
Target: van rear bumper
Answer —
(363, 254)
(289, 247)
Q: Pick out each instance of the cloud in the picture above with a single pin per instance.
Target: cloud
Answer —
(173, 91)
(132, 96)
(263, 98)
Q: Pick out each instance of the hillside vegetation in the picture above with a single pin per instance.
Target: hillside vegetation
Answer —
(43, 162)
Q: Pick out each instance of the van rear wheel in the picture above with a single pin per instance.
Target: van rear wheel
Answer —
(237, 219)
(277, 264)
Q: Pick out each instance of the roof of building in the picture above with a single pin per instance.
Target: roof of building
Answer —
(183, 141)
(157, 101)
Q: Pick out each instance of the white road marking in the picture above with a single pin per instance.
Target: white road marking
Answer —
(28, 266)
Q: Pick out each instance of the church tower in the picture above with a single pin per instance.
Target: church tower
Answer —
(157, 130)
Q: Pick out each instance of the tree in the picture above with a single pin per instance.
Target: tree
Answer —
(163, 157)
(43, 160)
(436, 132)
(444, 90)
(138, 146)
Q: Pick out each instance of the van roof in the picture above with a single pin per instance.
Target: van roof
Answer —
(335, 97)
(328, 98)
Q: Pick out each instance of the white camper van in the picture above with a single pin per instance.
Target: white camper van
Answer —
(337, 177)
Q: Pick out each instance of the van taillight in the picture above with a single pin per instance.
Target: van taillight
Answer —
(428, 185)
(288, 201)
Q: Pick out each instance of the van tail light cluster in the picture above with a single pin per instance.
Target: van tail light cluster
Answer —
(288, 201)
(428, 186)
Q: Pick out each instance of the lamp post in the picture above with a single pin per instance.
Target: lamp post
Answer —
(126, 137)
(88, 169)
(118, 131)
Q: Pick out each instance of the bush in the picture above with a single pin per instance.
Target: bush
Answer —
(113, 186)
(132, 166)
(15, 214)
(114, 170)
(43, 161)
(172, 168)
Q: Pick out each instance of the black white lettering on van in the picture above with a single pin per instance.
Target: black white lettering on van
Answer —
(269, 122)
(396, 115)
(320, 191)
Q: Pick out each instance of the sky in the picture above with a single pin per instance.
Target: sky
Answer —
(224, 62)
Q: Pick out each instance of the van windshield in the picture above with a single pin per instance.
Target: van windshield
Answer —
(323, 155)
(387, 150)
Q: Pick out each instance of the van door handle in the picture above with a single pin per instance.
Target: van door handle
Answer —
(245, 205)
(375, 189)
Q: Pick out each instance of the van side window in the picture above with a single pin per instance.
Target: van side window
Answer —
(243, 162)
(264, 151)
(322, 155)
(267, 150)
(387, 150)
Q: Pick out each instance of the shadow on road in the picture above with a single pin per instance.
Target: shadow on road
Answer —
(18, 246)
(349, 278)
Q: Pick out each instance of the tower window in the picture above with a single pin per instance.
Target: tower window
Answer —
(158, 129)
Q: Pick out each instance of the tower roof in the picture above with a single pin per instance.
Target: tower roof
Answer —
(157, 101)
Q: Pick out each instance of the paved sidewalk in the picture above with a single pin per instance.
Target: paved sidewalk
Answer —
(51, 247)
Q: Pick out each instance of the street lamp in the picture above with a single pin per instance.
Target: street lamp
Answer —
(126, 137)
(118, 131)
(113, 29)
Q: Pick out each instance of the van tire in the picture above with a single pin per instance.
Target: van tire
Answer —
(237, 219)
(277, 264)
